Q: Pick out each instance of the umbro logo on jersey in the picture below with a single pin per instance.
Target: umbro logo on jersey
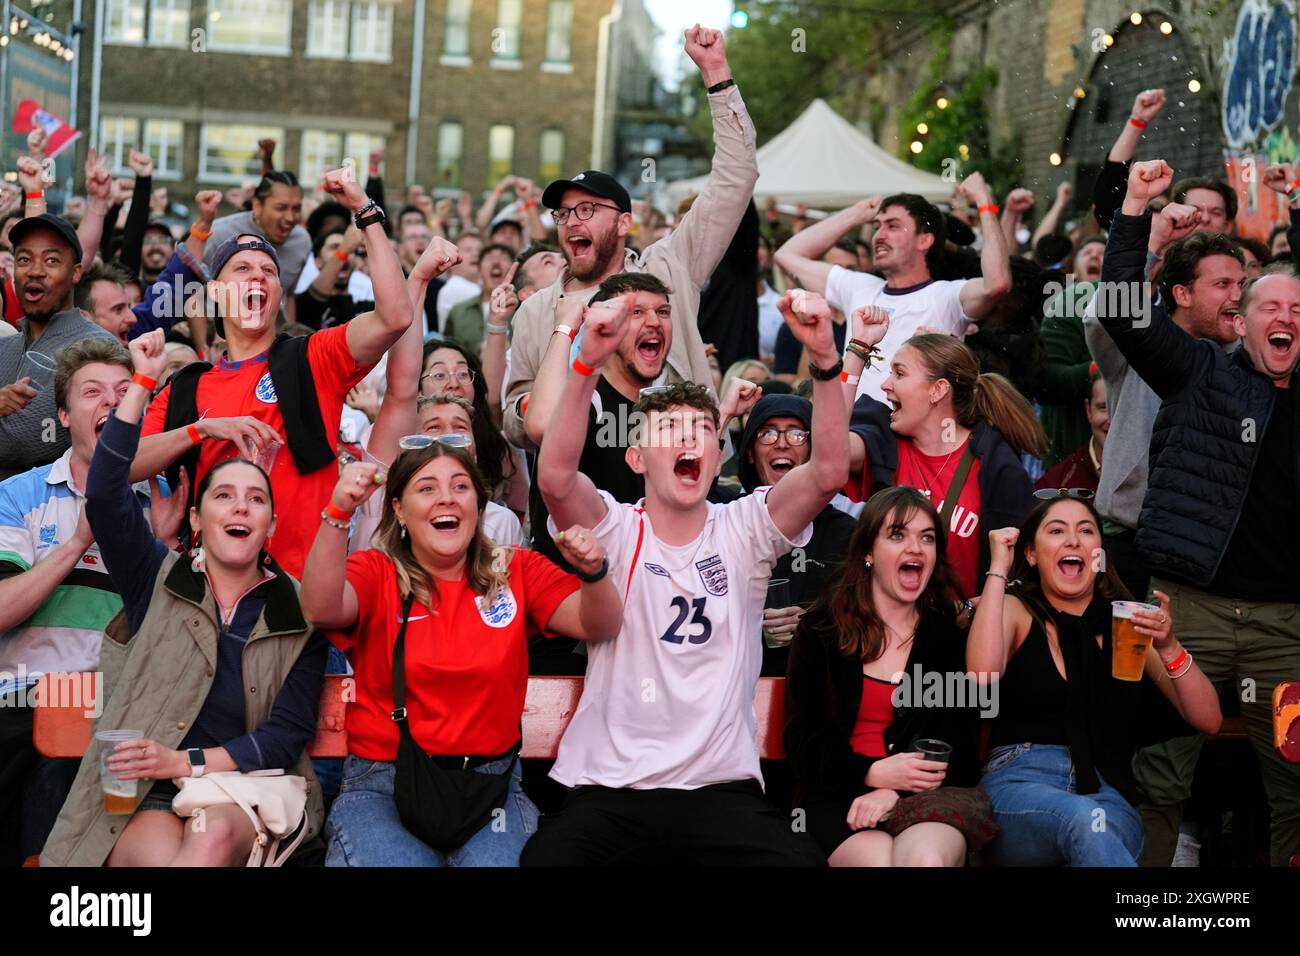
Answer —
(656, 569)
(713, 575)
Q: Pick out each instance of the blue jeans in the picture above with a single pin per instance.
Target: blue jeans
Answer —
(1045, 822)
(364, 828)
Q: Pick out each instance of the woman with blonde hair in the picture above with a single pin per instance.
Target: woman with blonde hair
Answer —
(435, 621)
(948, 431)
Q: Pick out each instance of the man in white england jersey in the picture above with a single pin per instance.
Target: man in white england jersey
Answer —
(906, 249)
(661, 755)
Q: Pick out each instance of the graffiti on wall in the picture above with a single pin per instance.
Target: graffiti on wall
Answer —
(1259, 62)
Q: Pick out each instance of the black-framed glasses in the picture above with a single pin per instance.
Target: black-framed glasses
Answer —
(584, 211)
(770, 436)
(440, 379)
(451, 439)
(1047, 494)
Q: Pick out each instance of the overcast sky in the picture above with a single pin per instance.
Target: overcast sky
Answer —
(674, 16)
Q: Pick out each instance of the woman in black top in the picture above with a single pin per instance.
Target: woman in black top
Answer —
(850, 720)
(1059, 771)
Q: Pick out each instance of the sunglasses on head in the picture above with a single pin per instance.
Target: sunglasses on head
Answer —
(1047, 494)
(416, 442)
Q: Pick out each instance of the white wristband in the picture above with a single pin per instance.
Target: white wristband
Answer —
(567, 330)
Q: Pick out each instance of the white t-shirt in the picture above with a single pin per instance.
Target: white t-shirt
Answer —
(670, 701)
(769, 320)
(935, 304)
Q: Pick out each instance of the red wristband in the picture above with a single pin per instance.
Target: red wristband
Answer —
(1140, 124)
(193, 432)
(1293, 185)
(36, 195)
(530, 204)
(338, 514)
(582, 368)
(148, 383)
(1177, 662)
(988, 207)
(341, 255)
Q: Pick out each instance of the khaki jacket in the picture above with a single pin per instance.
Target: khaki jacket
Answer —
(157, 683)
(684, 260)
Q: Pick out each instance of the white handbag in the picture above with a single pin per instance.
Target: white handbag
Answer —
(276, 803)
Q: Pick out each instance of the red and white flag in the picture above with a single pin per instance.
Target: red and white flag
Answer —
(59, 135)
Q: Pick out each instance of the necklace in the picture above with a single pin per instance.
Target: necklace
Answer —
(927, 491)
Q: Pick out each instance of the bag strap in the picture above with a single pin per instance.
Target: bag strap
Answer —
(955, 486)
(261, 838)
(399, 663)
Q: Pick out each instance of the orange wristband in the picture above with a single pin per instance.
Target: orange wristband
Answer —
(193, 432)
(338, 514)
(582, 368)
(989, 207)
(199, 234)
(341, 255)
(148, 383)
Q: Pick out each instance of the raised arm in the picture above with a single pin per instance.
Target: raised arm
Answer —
(548, 387)
(595, 611)
(993, 631)
(978, 296)
(1053, 217)
(802, 494)
(801, 255)
(371, 334)
(137, 219)
(1018, 202)
(1108, 192)
(570, 496)
(328, 601)
(99, 185)
(870, 325)
(502, 305)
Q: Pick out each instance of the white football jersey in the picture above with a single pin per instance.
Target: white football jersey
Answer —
(670, 701)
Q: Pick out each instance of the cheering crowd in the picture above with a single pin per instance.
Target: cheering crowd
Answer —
(441, 449)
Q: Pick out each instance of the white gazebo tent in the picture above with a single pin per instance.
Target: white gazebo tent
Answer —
(824, 161)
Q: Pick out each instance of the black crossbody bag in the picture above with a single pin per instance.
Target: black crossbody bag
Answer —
(442, 806)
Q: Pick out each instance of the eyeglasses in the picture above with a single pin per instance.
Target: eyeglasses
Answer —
(655, 390)
(1047, 494)
(795, 436)
(584, 211)
(417, 442)
(463, 376)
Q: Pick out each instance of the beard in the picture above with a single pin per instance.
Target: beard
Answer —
(604, 248)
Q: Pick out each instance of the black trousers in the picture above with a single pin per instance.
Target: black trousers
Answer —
(728, 824)
(32, 787)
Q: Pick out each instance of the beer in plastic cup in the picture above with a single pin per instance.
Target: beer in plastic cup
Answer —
(119, 794)
(1128, 648)
(778, 596)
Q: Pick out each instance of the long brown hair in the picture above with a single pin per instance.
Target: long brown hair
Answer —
(852, 613)
(486, 566)
(1027, 585)
(988, 398)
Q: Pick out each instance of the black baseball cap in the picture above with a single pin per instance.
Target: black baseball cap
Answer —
(226, 251)
(52, 222)
(592, 181)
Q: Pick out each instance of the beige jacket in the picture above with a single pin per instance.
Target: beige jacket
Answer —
(157, 683)
(684, 261)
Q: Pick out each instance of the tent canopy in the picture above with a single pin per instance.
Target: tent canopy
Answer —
(823, 160)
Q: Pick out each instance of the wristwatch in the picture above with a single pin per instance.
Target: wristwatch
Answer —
(826, 374)
(196, 761)
(369, 214)
(598, 576)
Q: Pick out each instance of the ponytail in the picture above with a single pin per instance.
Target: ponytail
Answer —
(1001, 406)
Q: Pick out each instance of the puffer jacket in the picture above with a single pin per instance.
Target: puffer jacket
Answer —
(1201, 459)
(158, 681)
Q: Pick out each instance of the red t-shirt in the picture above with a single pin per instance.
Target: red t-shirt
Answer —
(13, 308)
(466, 665)
(244, 388)
(931, 475)
(875, 713)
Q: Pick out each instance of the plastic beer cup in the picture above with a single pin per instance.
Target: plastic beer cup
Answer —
(119, 794)
(1128, 648)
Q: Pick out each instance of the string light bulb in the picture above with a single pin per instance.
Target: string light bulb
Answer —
(917, 146)
(1135, 18)
(922, 128)
(1166, 28)
(1194, 85)
(1054, 159)
(942, 102)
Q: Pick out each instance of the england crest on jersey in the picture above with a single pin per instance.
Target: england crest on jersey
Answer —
(501, 612)
(713, 575)
(265, 390)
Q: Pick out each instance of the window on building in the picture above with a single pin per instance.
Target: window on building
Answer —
(118, 135)
(551, 155)
(321, 150)
(327, 28)
(372, 32)
(559, 26)
(505, 38)
(450, 148)
(228, 153)
(169, 23)
(501, 152)
(124, 21)
(250, 26)
(357, 147)
(164, 141)
(455, 40)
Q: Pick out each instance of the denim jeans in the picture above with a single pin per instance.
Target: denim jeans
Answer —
(1045, 822)
(364, 828)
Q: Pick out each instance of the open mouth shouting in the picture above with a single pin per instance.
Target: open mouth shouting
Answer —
(579, 246)
(446, 523)
(1280, 342)
(782, 464)
(1071, 567)
(649, 347)
(33, 292)
(687, 467)
(239, 531)
(99, 424)
(910, 574)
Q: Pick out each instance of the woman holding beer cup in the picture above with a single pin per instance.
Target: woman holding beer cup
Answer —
(211, 658)
(1059, 769)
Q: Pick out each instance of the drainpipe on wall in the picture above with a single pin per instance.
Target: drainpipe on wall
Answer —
(603, 85)
(413, 109)
(96, 69)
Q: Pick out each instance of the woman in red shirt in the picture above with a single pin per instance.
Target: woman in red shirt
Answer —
(943, 415)
(466, 660)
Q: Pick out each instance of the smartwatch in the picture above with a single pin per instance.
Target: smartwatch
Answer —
(196, 761)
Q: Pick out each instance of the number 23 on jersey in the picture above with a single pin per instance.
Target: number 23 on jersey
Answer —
(697, 631)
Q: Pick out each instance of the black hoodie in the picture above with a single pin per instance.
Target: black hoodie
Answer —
(818, 561)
